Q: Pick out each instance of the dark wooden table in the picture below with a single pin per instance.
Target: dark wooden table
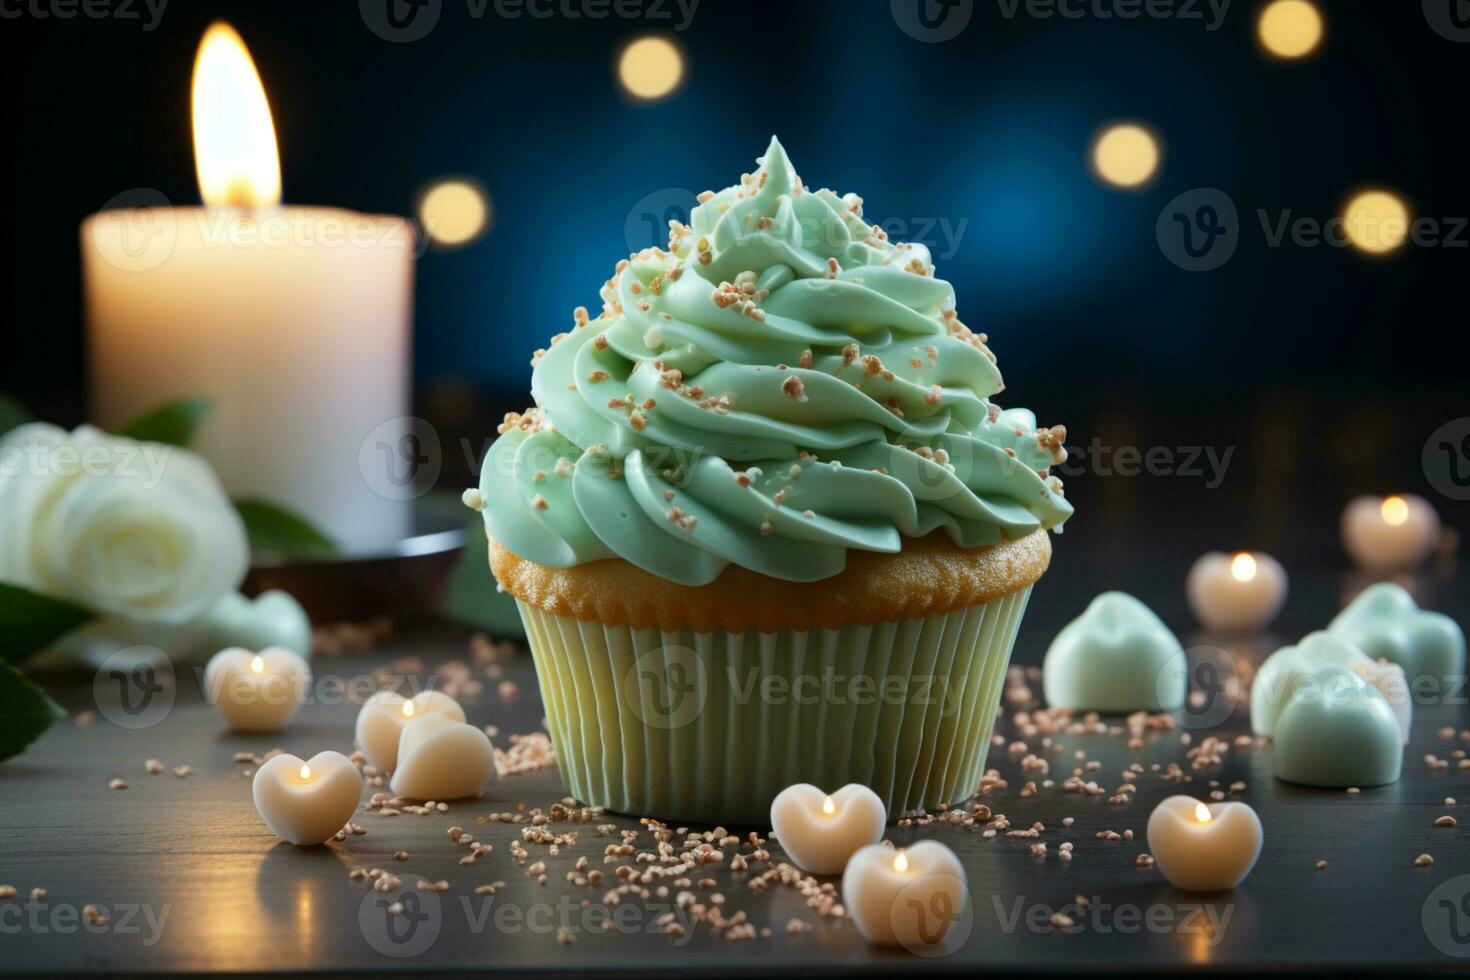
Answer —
(192, 881)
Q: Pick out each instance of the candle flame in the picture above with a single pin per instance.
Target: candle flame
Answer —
(900, 861)
(1395, 510)
(828, 807)
(305, 772)
(1202, 813)
(256, 665)
(1243, 567)
(408, 709)
(234, 138)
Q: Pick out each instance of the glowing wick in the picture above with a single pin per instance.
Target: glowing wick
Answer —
(1243, 567)
(1201, 813)
(1395, 510)
(408, 709)
(828, 807)
(900, 861)
(256, 665)
(305, 772)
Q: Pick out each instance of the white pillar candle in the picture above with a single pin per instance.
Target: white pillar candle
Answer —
(1390, 534)
(292, 322)
(381, 720)
(907, 897)
(1204, 847)
(1239, 593)
(257, 692)
(819, 832)
(442, 759)
(307, 802)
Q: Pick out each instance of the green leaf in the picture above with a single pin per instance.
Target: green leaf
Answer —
(30, 622)
(274, 530)
(26, 709)
(12, 414)
(472, 596)
(173, 424)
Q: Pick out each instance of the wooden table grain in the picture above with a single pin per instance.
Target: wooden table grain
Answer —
(192, 881)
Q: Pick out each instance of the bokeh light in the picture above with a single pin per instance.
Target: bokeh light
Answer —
(454, 212)
(1395, 510)
(651, 68)
(1376, 221)
(1290, 28)
(1126, 155)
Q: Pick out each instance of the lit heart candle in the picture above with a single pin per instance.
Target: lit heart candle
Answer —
(1204, 847)
(907, 897)
(381, 720)
(307, 802)
(442, 759)
(257, 692)
(820, 832)
(1239, 593)
(1391, 534)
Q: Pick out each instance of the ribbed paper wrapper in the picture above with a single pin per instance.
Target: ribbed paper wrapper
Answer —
(709, 727)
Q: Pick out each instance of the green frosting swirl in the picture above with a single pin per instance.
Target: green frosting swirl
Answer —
(781, 385)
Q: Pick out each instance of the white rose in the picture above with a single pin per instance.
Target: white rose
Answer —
(139, 531)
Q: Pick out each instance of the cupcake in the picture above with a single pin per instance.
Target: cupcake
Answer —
(764, 524)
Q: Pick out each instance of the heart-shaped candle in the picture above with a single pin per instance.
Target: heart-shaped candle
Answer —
(1204, 847)
(442, 759)
(257, 692)
(1238, 593)
(307, 802)
(906, 897)
(1389, 534)
(820, 832)
(380, 722)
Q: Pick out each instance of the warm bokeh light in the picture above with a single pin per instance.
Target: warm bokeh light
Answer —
(408, 709)
(900, 861)
(651, 67)
(828, 807)
(1376, 221)
(305, 772)
(1243, 567)
(454, 212)
(234, 138)
(1395, 510)
(1290, 28)
(1202, 813)
(256, 665)
(1126, 155)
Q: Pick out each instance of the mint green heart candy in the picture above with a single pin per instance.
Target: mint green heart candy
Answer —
(1385, 622)
(1117, 656)
(273, 619)
(1337, 730)
(1278, 675)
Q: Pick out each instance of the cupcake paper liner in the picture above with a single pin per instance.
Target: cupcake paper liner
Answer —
(709, 727)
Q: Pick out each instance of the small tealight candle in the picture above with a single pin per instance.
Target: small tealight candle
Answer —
(819, 832)
(1390, 534)
(257, 692)
(907, 897)
(380, 722)
(1204, 847)
(442, 759)
(1239, 593)
(307, 802)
